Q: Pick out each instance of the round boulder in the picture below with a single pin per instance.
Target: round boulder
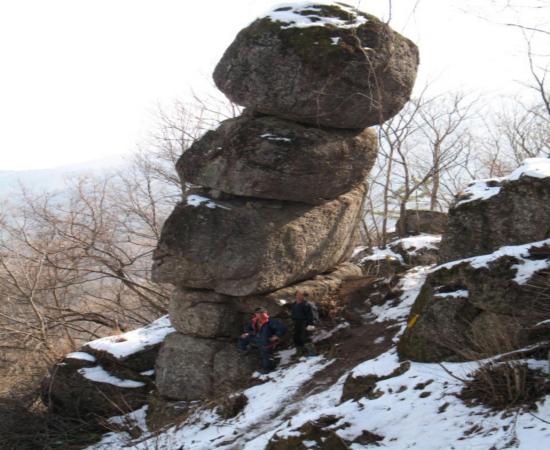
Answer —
(267, 157)
(241, 247)
(324, 64)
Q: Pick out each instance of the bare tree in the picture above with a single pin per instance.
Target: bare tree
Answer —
(423, 152)
(75, 265)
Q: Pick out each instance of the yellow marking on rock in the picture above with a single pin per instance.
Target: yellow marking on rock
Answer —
(412, 322)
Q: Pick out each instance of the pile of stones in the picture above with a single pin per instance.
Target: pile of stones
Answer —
(277, 193)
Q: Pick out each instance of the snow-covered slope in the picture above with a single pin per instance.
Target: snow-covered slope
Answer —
(414, 408)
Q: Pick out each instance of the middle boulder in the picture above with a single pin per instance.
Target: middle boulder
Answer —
(267, 157)
(241, 246)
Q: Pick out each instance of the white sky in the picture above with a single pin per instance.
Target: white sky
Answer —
(82, 79)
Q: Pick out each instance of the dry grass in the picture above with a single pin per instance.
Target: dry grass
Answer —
(505, 385)
(25, 424)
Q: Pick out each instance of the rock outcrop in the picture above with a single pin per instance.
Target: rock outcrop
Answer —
(489, 214)
(421, 250)
(107, 376)
(491, 294)
(418, 221)
(277, 200)
(480, 306)
(270, 158)
(328, 65)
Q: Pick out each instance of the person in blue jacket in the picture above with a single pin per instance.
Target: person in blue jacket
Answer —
(263, 332)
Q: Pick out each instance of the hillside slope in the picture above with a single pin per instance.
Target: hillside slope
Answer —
(355, 395)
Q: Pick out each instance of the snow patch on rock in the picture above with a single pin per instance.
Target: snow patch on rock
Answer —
(413, 244)
(273, 137)
(82, 356)
(100, 375)
(485, 189)
(379, 254)
(198, 200)
(410, 284)
(308, 14)
(525, 268)
(460, 293)
(123, 345)
(532, 167)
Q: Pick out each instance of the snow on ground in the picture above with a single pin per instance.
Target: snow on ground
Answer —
(413, 244)
(429, 418)
(325, 334)
(410, 285)
(203, 430)
(382, 253)
(292, 14)
(416, 409)
(525, 268)
(123, 345)
(484, 189)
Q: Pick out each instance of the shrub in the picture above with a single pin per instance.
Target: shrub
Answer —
(505, 385)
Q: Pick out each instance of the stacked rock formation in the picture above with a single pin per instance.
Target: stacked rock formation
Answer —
(281, 187)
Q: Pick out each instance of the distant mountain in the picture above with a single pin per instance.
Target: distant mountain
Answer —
(48, 180)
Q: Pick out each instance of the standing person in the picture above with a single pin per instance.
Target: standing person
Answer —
(303, 316)
(263, 332)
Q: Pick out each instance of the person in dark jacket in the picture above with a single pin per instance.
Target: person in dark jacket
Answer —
(262, 332)
(302, 315)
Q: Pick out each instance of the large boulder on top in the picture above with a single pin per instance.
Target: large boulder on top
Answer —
(489, 214)
(240, 246)
(481, 306)
(325, 64)
(193, 368)
(267, 157)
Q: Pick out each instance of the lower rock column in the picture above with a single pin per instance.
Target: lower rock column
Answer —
(201, 359)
